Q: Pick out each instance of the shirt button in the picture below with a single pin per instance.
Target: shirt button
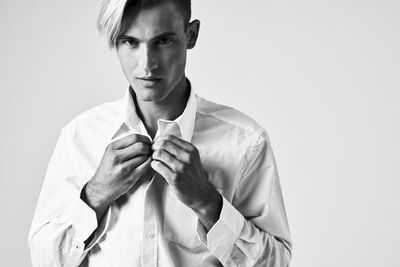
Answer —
(150, 235)
(78, 246)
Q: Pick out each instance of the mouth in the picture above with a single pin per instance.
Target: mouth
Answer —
(149, 81)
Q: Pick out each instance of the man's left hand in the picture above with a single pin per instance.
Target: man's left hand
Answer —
(179, 163)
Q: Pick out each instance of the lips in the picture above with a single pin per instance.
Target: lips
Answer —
(149, 81)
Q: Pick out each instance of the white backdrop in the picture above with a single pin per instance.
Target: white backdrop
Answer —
(323, 77)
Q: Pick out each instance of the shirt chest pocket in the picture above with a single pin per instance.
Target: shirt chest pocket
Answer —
(180, 223)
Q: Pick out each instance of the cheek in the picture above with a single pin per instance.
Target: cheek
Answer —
(128, 62)
(176, 60)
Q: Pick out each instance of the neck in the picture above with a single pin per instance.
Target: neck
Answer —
(169, 108)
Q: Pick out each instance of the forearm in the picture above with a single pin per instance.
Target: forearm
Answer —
(92, 196)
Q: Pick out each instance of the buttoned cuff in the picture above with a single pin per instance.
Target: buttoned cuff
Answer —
(224, 233)
(84, 221)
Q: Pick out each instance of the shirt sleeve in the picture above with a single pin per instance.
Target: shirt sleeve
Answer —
(62, 221)
(253, 228)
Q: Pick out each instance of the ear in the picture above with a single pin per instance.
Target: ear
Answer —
(192, 33)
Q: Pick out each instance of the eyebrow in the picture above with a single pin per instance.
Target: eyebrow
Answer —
(161, 35)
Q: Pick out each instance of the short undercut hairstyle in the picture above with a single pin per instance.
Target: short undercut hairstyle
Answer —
(112, 11)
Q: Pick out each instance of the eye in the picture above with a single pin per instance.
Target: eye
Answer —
(130, 42)
(164, 41)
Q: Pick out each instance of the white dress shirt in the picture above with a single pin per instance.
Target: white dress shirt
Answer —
(149, 226)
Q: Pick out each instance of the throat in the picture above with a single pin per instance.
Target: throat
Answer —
(168, 109)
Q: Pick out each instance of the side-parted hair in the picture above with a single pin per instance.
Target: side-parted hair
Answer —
(112, 11)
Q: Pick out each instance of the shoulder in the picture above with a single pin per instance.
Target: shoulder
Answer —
(100, 116)
(233, 120)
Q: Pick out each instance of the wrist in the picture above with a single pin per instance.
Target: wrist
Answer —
(211, 203)
(92, 196)
(209, 210)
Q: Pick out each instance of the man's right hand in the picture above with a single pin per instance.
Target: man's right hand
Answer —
(123, 163)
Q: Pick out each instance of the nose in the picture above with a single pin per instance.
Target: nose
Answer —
(147, 60)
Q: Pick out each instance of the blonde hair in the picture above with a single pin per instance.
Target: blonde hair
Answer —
(111, 13)
(109, 19)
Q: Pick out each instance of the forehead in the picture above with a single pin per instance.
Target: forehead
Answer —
(151, 21)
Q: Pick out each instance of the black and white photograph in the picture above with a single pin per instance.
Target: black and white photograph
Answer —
(184, 133)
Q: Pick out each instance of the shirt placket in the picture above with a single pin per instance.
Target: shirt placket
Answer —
(150, 230)
(150, 226)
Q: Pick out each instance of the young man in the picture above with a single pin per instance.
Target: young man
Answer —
(162, 177)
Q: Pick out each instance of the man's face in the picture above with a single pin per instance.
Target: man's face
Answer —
(152, 51)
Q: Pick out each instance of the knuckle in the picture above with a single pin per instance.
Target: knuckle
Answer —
(110, 146)
(155, 163)
(163, 143)
(116, 158)
(179, 167)
(174, 176)
(124, 170)
(188, 157)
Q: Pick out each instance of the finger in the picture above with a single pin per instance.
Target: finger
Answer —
(133, 163)
(142, 168)
(168, 159)
(180, 142)
(172, 148)
(129, 140)
(162, 169)
(134, 150)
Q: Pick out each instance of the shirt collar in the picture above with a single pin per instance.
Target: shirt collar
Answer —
(127, 116)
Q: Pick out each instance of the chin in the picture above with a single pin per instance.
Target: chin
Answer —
(149, 94)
